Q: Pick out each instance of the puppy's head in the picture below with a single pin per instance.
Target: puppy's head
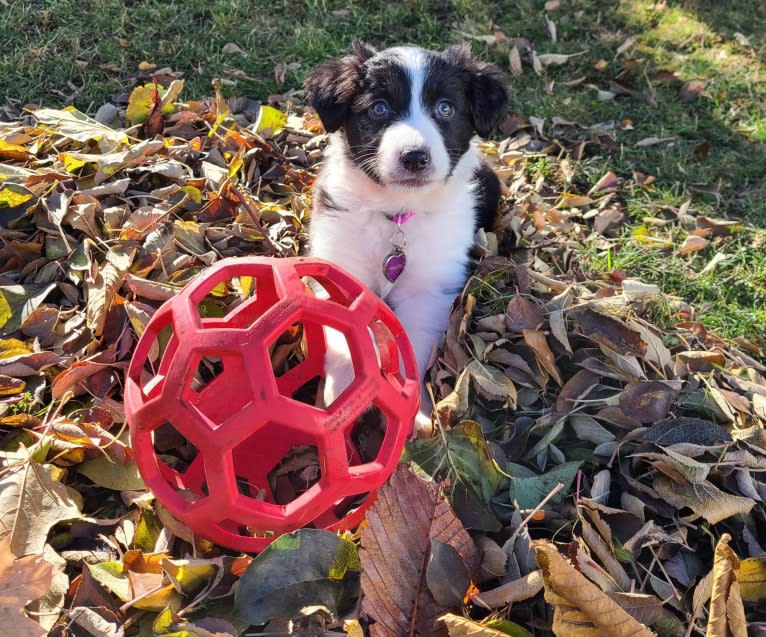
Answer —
(407, 114)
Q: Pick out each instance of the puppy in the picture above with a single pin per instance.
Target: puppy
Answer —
(403, 188)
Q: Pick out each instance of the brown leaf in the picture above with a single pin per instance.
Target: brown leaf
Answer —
(702, 361)
(663, 76)
(608, 183)
(104, 287)
(727, 614)
(31, 502)
(21, 581)
(492, 384)
(691, 90)
(518, 590)
(693, 244)
(647, 401)
(539, 345)
(576, 388)
(580, 608)
(705, 499)
(523, 314)
(395, 547)
(611, 332)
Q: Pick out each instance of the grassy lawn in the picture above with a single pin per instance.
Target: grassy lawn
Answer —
(707, 148)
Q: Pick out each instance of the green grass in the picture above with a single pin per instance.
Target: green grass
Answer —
(729, 297)
(72, 51)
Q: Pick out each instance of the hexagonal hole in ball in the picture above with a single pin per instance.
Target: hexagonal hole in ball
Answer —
(366, 436)
(297, 471)
(226, 296)
(180, 462)
(323, 288)
(208, 369)
(214, 388)
(222, 304)
(156, 364)
(299, 365)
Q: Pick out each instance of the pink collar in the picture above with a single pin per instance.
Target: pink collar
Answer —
(400, 218)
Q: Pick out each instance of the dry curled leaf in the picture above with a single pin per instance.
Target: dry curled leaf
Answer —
(727, 614)
(580, 608)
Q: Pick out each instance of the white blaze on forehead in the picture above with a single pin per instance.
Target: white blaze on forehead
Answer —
(414, 63)
(417, 130)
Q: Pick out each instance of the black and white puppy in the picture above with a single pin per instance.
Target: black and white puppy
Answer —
(403, 188)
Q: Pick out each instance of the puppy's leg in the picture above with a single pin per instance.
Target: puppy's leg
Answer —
(339, 371)
(425, 318)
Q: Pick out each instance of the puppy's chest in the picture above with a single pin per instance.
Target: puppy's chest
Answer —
(430, 243)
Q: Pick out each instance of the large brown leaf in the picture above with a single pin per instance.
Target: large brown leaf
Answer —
(580, 608)
(21, 581)
(395, 549)
(704, 498)
(727, 614)
(611, 332)
(31, 502)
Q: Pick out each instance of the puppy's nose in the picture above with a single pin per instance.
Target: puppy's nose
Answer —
(415, 160)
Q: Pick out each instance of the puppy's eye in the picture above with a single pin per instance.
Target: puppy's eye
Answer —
(444, 109)
(379, 110)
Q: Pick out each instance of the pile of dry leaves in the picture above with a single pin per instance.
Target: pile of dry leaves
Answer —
(592, 475)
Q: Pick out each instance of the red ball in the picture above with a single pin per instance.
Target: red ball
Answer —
(221, 399)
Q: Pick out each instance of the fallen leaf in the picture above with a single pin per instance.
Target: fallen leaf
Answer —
(693, 243)
(408, 514)
(691, 90)
(21, 581)
(522, 314)
(461, 627)
(528, 492)
(518, 590)
(307, 568)
(580, 608)
(539, 344)
(727, 615)
(752, 579)
(31, 502)
(557, 59)
(611, 332)
(705, 499)
(647, 401)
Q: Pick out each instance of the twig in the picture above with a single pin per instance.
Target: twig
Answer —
(525, 521)
(245, 205)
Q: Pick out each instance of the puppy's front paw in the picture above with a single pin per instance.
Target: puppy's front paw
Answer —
(424, 426)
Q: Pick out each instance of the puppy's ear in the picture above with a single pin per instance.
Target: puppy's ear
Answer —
(331, 86)
(487, 93)
(362, 50)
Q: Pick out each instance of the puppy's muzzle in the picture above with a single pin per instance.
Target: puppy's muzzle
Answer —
(415, 160)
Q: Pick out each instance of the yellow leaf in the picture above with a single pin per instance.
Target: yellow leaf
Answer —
(237, 161)
(13, 151)
(10, 347)
(140, 102)
(752, 579)
(190, 576)
(165, 597)
(194, 193)
(727, 614)
(72, 164)
(12, 195)
(5, 310)
(270, 118)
